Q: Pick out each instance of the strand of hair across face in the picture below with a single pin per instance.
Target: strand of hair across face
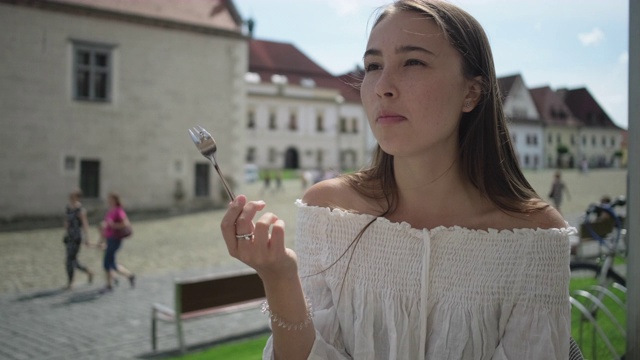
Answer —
(353, 244)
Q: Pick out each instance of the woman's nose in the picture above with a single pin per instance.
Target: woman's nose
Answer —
(385, 86)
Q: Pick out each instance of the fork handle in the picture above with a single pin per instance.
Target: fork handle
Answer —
(224, 182)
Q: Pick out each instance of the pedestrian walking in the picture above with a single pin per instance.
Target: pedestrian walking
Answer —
(76, 228)
(584, 166)
(266, 177)
(558, 189)
(278, 177)
(114, 228)
(440, 249)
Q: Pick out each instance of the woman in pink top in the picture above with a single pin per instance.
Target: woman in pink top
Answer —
(116, 218)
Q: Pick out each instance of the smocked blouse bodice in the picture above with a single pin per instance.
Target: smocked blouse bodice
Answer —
(443, 293)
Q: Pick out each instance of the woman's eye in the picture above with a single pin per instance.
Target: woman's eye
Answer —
(371, 67)
(412, 62)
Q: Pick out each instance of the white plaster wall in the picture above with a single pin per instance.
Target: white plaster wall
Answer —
(551, 147)
(307, 104)
(592, 152)
(304, 138)
(519, 103)
(532, 150)
(582, 149)
(164, 81)
(356, 141)
(520, 108)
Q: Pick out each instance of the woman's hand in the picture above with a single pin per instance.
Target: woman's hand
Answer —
(264, 251)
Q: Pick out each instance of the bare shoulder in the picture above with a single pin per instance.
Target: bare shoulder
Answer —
(322, 193)
(337, 194)
(548, 218)
(545, 218)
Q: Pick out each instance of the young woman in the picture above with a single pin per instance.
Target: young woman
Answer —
(116, 218)
(76, 227)
(441, 249)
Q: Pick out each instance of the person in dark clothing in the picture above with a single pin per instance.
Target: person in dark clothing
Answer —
(558, 190)
(75, 224)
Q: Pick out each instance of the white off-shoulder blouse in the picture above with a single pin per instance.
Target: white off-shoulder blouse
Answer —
(443, 293)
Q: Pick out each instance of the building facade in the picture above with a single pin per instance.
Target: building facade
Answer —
(599, 138)
(566, 128)
(523, 119)
(299, 116)
(561, 128)
(99, 95)
(578, 132)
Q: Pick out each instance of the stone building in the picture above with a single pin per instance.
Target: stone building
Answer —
(99, 94)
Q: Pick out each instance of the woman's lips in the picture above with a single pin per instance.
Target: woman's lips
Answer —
(390, 119)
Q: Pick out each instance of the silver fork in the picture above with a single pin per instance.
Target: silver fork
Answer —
(207, 147)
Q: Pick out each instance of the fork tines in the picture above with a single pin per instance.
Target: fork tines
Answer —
(203, 140)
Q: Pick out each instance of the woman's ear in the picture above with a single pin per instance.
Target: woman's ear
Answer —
(474, 93)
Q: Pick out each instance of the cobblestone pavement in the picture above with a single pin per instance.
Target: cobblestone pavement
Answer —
(40, 321)
(52, 324)
(35, 259)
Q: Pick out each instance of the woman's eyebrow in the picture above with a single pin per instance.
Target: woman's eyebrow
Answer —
(410, 48)
(372, 52)
(400, 50)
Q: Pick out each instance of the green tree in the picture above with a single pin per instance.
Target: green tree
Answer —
(562, 150)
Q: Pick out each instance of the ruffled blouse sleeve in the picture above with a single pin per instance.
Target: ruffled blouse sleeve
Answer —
(539, 324)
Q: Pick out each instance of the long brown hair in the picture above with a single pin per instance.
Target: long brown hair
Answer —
(486, 154)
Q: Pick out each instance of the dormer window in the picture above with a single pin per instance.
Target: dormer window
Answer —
(308, 83)
(278, 79)
(251, 77)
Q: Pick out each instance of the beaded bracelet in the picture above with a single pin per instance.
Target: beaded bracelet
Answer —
(276, 319)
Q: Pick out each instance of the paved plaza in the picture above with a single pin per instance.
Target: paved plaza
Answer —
(40, 321)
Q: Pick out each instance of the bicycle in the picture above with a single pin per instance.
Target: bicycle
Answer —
(600, 294)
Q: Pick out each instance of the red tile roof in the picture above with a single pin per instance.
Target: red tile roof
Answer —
(505, 83)
(586, 108)
(282, 57)
(221, 14)
(268, 58)
(552, 108)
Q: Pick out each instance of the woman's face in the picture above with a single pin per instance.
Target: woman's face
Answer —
(413, 91)
(112, 201)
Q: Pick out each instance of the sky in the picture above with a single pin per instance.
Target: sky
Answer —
(557, 43)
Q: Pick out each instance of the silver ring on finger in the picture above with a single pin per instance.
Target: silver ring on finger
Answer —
(245, 236)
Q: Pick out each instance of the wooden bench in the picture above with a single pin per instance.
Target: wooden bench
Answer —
(208, 295)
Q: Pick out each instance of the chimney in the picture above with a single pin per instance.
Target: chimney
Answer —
(250, 25)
